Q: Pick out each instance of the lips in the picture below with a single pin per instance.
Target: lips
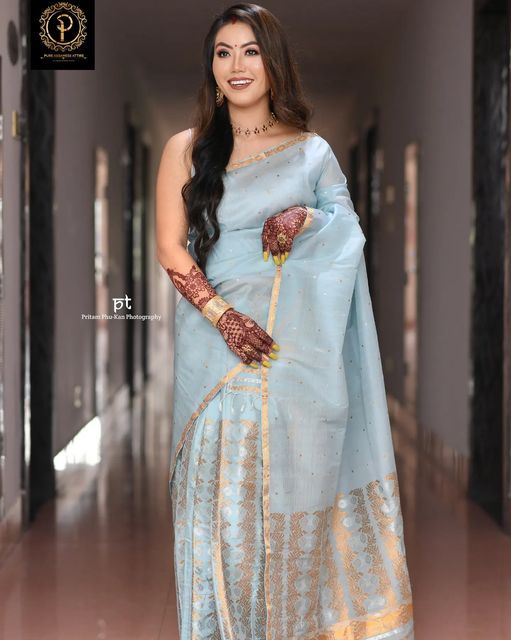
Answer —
(240, 82)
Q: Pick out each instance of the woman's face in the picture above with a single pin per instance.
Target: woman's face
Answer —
(238, 56)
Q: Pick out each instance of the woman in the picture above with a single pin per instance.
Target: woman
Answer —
(286, 511)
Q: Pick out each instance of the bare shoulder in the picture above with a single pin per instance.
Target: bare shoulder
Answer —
(177, 150)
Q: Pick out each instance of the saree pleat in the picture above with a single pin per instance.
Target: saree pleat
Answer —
(286, 505)
(218, 520)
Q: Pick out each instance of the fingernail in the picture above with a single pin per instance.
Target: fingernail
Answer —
(276, 259)
(253, 365)
(274, 356)
(265, 363)
(275, 346)
(265, 256)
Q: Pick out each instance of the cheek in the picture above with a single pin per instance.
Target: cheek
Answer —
(257, 68)
(219, 66)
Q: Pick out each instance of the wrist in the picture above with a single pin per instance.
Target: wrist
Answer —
(215, 308)
(308, 218)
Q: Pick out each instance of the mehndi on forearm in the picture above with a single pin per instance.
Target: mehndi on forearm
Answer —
(195, 287)
(243, 335)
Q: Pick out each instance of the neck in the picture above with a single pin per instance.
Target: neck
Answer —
(249, 117)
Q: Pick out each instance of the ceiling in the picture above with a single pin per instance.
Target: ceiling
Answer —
(330, 37)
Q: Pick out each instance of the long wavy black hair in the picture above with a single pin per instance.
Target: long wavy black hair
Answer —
(213, 139)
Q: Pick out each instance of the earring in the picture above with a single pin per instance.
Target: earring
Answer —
(219, 98)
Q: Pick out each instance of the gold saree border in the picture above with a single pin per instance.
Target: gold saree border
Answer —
(230, 374)
(266, 451)
(266, 153)
(365, 629)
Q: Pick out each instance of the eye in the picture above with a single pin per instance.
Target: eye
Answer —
(254, 50)
(219, 53)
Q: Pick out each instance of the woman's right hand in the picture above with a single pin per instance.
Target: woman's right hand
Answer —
(246, 338)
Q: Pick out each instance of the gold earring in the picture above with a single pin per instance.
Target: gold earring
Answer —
(219, 98)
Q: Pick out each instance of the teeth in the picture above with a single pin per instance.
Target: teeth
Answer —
(240, 81)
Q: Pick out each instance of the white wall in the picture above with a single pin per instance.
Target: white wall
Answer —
(422, 83)
(10, 101)
(89, 112)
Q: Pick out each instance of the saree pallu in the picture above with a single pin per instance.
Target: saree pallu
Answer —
(286, 507)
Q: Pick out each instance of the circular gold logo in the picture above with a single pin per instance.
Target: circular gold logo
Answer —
(63, 27)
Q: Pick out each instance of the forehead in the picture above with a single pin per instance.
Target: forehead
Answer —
(237, 33)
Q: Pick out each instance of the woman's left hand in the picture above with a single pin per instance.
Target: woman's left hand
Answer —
(279, 231)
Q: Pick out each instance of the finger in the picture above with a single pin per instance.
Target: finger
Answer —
(263, 345)
(273, 246)
(282, 242)
(268, 351)
(265, 337)
(248, 353)
(265, 248)
(265, 360)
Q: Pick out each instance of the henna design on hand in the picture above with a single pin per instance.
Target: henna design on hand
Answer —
(244, 336)
(194, 286)
(280, 229)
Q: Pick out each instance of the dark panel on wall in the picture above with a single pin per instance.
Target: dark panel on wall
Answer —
(354, 170)
(491, 70)
(41, 127)
(145, 153)
(129, 206)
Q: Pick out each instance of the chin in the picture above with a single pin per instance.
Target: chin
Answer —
(245, 101)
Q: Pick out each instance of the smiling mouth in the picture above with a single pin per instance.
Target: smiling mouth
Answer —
(240, 83)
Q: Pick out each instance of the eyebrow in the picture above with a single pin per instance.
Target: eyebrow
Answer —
(224, 44)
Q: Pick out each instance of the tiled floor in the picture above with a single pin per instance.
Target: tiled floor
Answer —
(97, 562)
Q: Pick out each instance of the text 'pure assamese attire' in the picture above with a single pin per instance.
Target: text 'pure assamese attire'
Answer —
(286, 508)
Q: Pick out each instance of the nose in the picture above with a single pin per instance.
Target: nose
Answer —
(237, 61)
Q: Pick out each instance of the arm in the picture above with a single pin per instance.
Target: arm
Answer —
(242, 335)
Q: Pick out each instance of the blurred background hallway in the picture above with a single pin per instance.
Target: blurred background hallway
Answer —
(414, 99)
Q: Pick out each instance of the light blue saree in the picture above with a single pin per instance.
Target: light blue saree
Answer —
(286, 510)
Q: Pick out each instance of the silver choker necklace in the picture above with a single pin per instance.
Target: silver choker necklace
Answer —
(238, 131)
